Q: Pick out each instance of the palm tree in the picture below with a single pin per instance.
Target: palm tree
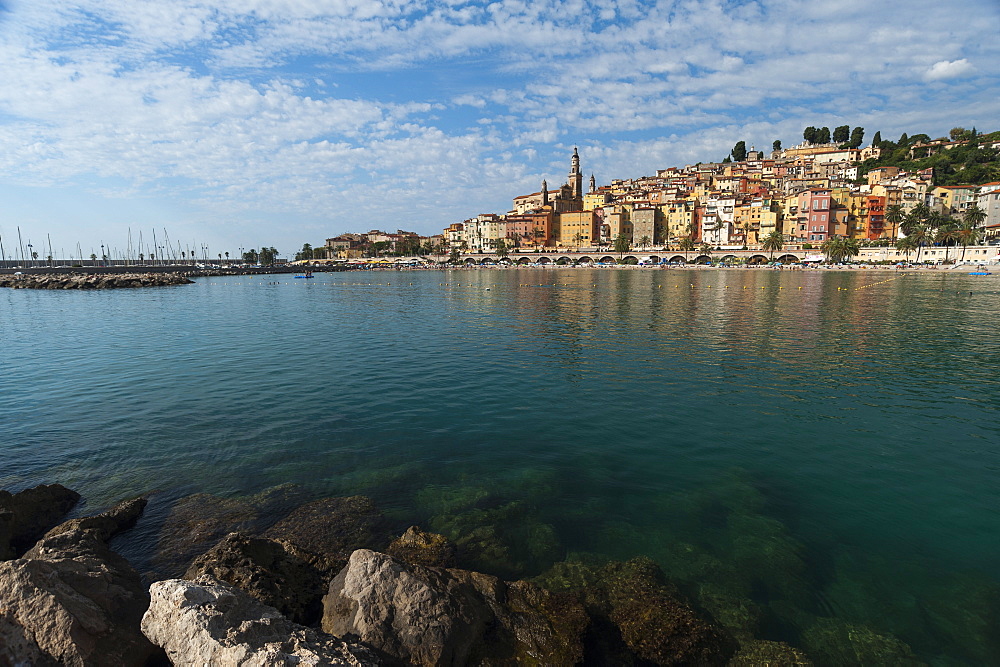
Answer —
(967, 235)
(916, 216)
(920, 234)
(622, 245)
(93, 259)
(501, 248)
(227, 258)
(947, 235)
(773, 241)
(906, 245)
(644, 242)
(974, 216)
(839, 248)
(894, 215)
(687, 244)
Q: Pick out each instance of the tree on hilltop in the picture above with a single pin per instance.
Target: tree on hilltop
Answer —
(857, 137)
(809, 134)
(739, 151)
(776, 145)
(823, 135)
(841, 134)
(877, 139)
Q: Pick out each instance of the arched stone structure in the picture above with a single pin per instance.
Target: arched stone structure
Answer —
(789, 258)
(757, 259)
(607, 259)
(703, 259)
(586, 259)
(678, 259)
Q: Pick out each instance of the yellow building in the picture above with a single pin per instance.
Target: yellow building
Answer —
(678, 216)
(595, 200)
(577, 229)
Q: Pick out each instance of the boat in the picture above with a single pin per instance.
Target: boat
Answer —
(980, 273)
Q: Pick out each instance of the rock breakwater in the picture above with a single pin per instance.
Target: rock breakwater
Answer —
(93, 281)
(309, 588)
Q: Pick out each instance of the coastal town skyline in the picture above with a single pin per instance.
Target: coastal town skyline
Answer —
(240, 126)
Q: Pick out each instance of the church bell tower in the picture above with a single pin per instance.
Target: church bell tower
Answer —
(575, 176)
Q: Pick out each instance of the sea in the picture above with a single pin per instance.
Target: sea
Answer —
(809, 456)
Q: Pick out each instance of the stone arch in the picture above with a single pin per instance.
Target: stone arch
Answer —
(788, 258)
(678, 259)
(544, 260)
(565, 259)
(524, 260)
(655, 259)
(703, 259)
(470, 260)
(488, 261)
(757, 259)
(586, 259)
(728, 258)
(607, 259)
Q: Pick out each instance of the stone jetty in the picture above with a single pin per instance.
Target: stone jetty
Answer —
(93, 281)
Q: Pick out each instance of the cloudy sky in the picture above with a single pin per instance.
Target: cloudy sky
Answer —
(237, 123)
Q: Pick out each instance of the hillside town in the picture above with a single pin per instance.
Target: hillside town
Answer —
(803, 196)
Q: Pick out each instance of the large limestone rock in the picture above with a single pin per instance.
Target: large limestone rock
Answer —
(25, 516)
(210, 623)
(72, 600)
(272, 572)
(437, 616)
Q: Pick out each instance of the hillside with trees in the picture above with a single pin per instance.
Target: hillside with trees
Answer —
(971, 163)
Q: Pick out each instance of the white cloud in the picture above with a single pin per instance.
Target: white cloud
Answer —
(359, 109)
(945, 69)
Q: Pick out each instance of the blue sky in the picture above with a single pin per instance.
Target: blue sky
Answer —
(279, 122)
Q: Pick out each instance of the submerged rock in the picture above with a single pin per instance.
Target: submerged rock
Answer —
(73, 600)
(272, 572)
(26, 515)
(210, 623)
(758, 653)
(638, 615)
(331, 528)
(432, 616)
(832, 641)
(419, 548)
(508, 540)
(197, 522)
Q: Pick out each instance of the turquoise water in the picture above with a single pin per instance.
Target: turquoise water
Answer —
(785, 442)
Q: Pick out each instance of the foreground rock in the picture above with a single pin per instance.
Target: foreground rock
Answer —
(209, 623)
(25, 516)
(437, 616)
(95, 281)
(71, 600)
(274, 573)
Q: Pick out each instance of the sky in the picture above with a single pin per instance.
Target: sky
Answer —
(233, 124)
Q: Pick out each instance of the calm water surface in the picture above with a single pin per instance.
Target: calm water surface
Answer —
(824, 455)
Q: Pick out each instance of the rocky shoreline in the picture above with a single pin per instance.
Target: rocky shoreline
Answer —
(325, 583)
(59, 281)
